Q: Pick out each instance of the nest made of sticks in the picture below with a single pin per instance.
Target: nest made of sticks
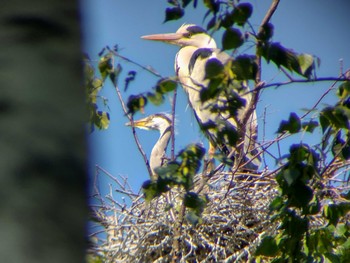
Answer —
(234, 221)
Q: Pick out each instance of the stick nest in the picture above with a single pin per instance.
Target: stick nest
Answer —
(234, 221)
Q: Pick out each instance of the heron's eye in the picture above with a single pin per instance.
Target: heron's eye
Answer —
(188, 35)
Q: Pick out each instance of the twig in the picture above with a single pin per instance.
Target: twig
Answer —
(130, 117)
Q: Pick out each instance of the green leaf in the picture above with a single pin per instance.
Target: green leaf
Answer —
(293, 125)
(290, 176)
(244, 67)
(213, 68)
(232, 39)
(325, 123)
(334, 212)
(266, 33)
(166, 85)
(337, 116)
(277, 203)
(306, 64)
(191, 200)
(344, 90)
(281, 56)
(193, 218)
(105, 65)
(241, 13)
(309, 126)
(129, 78)
(174, 13)
(150, 190)
(115, 74)
(155, 98)
(212, 5)
(136, 103)
(268, 247)
(185, 3)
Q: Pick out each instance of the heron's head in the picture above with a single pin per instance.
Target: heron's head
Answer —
(186, 35)
(159, 121)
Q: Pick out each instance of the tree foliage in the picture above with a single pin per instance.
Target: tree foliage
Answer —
(310, 210)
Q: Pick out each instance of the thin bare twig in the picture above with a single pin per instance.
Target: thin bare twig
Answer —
(130, 117)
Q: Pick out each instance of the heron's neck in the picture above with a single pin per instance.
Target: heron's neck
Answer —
(158, 151)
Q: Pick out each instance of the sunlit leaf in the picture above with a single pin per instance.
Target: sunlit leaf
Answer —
(105, 65)
(306, 64)
(166, 85)
(232, 39)
(173, 13)
(102, 120)
(344, 90)
(156, 98)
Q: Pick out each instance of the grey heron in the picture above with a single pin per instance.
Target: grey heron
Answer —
(197, 48)
(161, 122)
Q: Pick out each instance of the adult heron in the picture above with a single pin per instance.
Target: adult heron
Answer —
(162, 123)
(197, 48)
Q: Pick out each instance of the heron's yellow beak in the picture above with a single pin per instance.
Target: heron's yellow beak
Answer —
(171, 38)
(139, 123)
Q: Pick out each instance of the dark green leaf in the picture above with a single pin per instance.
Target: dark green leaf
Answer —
(309, 126)
(324, 120)
(185, 3)
(191, 200)
(213, 68)
(150, 190)
(136, 103)
(290, 176)
(232, 39)
(266, 33)
(173, 13)
(129, 78)
(244, 67)
(115, 74)
(334, 212)
(268, 247)
(227, 20)
(241, 13)
(293, 125)
(212, 5)
(337, 116)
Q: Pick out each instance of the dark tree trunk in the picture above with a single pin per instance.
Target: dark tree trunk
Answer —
(43, 160)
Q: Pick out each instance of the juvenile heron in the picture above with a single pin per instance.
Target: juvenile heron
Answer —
(162, 123)
(197, 48)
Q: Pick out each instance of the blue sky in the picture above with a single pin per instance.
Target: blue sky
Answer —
(318, 27)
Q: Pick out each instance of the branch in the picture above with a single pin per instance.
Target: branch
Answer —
(278, 84)
(130, 117)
